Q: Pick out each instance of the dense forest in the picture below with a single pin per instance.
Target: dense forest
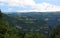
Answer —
(18, 26)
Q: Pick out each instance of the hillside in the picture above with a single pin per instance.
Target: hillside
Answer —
(33, 21)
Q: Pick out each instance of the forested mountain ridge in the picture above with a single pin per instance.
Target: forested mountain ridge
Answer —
(51, 18)
(7, 31)
(26, 22)
(33, 22)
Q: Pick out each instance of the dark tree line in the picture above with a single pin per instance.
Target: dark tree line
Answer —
(56, 32)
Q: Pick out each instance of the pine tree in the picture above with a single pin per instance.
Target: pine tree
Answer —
(2, 26)
(0, 14)
(56, 32)
(5, 30)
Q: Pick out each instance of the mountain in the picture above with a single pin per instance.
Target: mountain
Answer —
(33, 21)
(52, 18)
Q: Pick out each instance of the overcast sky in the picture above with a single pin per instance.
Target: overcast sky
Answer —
(29, 5)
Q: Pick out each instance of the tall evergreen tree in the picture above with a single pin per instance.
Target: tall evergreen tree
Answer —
(0, 14)
(55, 33)
(5, 30)
(2, 26)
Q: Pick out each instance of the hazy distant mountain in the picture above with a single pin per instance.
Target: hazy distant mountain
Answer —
(49, 17)
(34, 21)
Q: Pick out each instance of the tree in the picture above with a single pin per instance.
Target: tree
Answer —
(56, 32)
(5, 30)
(0, 14)
(3, 26)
